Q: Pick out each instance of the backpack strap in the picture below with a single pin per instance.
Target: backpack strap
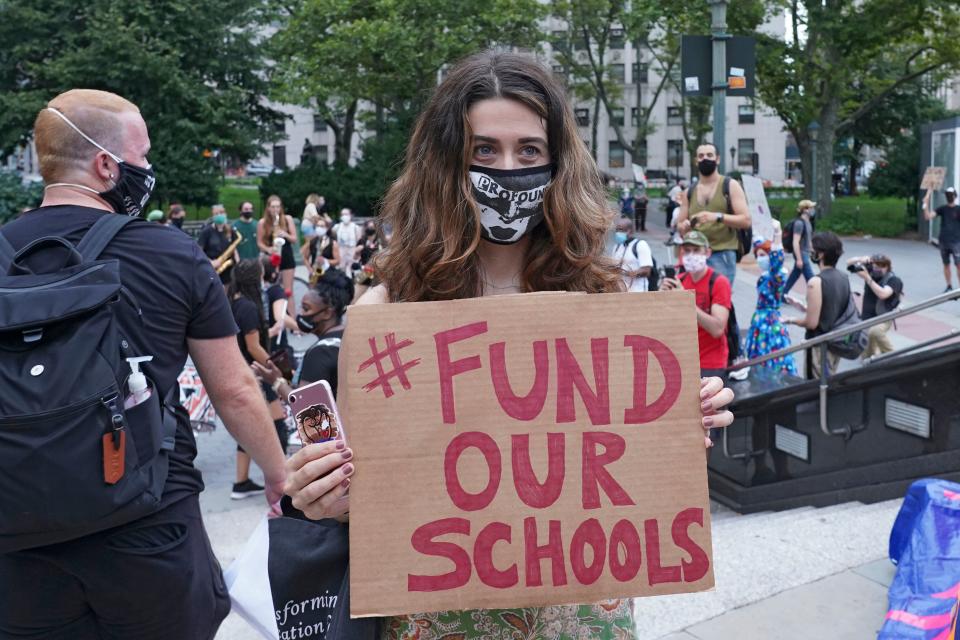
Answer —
(100, 234)
(726, 194)
(7, 253)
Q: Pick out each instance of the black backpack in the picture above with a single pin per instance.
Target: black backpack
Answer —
(732, 334)
(653, 280)
(63, 426)
(744, 236)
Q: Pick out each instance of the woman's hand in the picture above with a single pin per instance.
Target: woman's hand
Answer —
(275, 330)
(268, 374)
(318, 479)
(713, 398)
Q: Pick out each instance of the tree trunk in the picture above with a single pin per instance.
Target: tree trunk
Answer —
(826, 143)
(854, 166)
(594, 126)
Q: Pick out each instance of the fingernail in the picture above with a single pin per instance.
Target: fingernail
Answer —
(347, 454)
(711, 445)
(347, 469)
(346, 482)
(708, 422)
(704, 394)
(340, 444)
(706, 406)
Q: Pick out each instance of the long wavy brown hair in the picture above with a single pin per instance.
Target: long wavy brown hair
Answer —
(268, 219)
(436, 221)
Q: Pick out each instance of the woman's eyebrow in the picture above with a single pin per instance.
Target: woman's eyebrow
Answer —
(534, 139)
(485, 139)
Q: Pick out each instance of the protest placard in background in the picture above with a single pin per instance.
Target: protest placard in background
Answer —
(760, 216)
(524, 450)
(933, 178)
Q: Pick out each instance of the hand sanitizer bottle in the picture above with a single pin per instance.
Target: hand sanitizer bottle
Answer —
(137, 383)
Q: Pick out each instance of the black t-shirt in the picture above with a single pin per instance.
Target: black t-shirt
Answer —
(320, 361)
(950, 224)
(870, 300)
(178, 293)
(327, 251)
(214, 242)
(270, 295)
(247, 316)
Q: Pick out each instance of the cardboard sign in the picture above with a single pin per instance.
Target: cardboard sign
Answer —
(933, 178)
(524, 450)
(760, 216)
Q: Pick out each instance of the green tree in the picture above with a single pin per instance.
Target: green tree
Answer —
(193, 68)
(16, 196)
(842, 61)
(337, 56)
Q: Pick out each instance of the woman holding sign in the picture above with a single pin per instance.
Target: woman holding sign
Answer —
(498, 195)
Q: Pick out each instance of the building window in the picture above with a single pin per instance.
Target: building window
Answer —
(321, 153)
(280, 126)
(558, 70)
(582, 116)
(745, 150)
(640, 147)
(674, 153)
(579, 43)
(616, 116)
(280, 156)
(617, 156)
(674, 115)
(319, 124)
(634, 116)
(558, 40)
(616, 38)
(640, 72)
(745, 114)
(617, 72)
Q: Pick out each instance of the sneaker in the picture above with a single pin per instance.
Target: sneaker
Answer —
(948, 289)
(245, 489)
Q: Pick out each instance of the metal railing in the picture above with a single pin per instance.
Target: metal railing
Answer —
(822, 343)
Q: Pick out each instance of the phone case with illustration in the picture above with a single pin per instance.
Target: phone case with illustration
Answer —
(315, 413)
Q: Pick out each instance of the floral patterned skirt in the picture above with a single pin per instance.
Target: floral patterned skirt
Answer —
(767, 334)
(606, 620)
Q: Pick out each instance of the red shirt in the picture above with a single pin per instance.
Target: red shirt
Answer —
(713, 351)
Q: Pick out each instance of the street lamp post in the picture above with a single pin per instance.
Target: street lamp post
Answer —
(718, 27)
(813, 132)
(733, 158)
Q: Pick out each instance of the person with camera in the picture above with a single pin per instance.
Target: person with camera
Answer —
(713, 297)
(882, 290)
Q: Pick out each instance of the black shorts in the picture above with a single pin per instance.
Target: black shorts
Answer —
(948, 249)
(286, 257)
(152, 579)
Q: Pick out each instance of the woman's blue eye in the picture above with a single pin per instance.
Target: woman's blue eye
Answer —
(484, 150)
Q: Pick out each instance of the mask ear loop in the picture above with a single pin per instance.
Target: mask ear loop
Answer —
(112, 155)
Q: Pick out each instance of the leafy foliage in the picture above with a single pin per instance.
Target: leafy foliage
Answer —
(16, 196)
(193, 68)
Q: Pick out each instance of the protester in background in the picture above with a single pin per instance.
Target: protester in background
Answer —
(627, 204)
(640, 202)
(828, 294)
(274, 225)
(801, 232)
(177, 215)
(524, 132)
(246, 226)
(882, 290)
(368, 249)
(309, 222)
(215, 239)
(713, 302)
(322, 209)
(706, 208)
(321, 314)
(768, 332)
(245, 297)
(158, 216)
(673, 201)
(153, 577)
(275, 306)
(633, 255)
(322, 252)
(949, 232)
(347, 234)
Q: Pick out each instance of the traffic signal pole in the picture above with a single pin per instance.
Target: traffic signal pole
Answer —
(719, 36)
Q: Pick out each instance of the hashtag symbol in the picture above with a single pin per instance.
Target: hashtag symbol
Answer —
(399, 370)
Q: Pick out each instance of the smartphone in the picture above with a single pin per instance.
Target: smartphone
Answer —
(281, 359)
(669, 271)
(315, 413)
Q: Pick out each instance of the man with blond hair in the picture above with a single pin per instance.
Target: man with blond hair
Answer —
(799, 237)
(153, 576)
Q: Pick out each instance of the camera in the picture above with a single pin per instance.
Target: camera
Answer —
(857, 267)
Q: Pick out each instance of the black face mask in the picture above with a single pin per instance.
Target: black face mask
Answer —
(309, 324)
(132, 190)
(510, 200)
(706, 167)
(133, 186)
(815, 258)
(177, 222)
(246, 215)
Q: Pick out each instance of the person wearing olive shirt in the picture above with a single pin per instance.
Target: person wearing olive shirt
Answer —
(215, 239)
(246, 226)
(706, 208)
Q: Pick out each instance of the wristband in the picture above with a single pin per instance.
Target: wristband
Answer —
(276, 385)
(720, 218)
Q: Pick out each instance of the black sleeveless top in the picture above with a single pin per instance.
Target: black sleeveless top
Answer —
(835, 289)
